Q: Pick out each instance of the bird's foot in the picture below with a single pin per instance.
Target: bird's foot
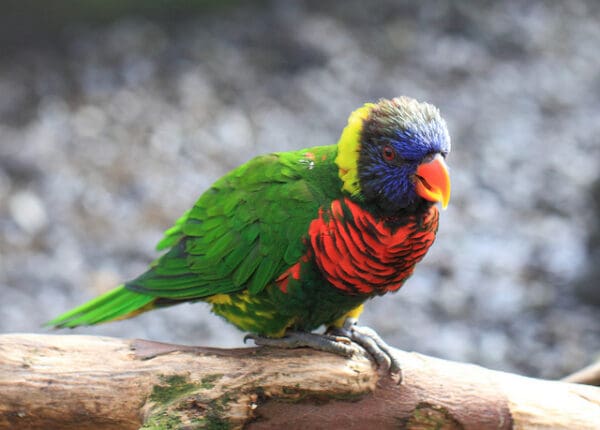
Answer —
(341, 341)
(368, 338)
(340, 345)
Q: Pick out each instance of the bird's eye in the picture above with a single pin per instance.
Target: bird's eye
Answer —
(389, 154)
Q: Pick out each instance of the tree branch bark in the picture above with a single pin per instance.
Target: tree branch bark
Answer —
(85, 382)
(589, 375)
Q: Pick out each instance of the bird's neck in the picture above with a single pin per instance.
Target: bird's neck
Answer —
(394, 219)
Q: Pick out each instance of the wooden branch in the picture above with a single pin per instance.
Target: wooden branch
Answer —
(85, 382)
(589, 375)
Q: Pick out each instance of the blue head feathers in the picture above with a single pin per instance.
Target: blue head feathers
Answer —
(397, 137)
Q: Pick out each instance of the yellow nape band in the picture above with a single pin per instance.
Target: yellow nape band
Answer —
(349, 147)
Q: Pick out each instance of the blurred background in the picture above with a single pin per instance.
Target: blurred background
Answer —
(115, 116)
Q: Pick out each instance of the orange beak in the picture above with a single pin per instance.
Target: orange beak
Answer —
(433, 181)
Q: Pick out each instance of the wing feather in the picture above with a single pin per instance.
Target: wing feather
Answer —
(244, 231)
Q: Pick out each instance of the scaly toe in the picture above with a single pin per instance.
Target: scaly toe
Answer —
(368, 339)
(294, 339)
(380, 356)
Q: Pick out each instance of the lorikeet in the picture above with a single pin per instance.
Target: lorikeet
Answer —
(291, 241)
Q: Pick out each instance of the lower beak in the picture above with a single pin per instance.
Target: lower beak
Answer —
(432, 181)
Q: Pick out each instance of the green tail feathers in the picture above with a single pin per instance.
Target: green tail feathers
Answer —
(119, 303)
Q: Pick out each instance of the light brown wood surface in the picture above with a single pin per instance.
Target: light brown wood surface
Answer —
(86, 382)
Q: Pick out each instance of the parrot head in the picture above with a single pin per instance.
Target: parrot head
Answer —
(392, 155)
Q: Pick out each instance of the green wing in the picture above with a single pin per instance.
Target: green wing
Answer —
(241, 234)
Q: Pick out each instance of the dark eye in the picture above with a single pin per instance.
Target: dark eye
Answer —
(388, 152)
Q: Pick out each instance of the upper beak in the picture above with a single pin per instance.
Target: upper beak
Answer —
(433, 181)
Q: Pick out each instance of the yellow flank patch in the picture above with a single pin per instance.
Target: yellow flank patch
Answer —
(243, 299)
(265, 314)
(240, 300)
(349, 147)
(243, 322)
(249, 313)
(282, 332)
(219, 299)
(354, 313)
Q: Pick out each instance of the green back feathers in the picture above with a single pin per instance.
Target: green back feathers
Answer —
(245, 230)
(241, 234)
(173, 234)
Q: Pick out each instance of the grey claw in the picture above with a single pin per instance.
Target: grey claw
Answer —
(368, 338)
(294, 339)
(382, 359)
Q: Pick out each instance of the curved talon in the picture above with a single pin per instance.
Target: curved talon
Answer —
(368, 338)
(382, 359)
(340, 341)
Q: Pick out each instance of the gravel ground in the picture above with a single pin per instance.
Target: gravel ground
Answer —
(109, 135)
